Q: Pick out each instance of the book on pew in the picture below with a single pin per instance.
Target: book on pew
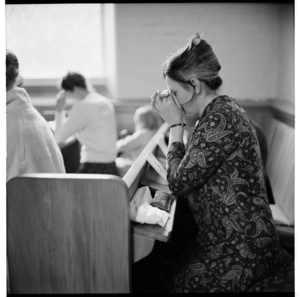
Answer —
(162, 200)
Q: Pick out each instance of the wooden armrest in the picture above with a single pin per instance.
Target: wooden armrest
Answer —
(141, 172)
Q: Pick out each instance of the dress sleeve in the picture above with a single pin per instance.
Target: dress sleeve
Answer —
(214, 139)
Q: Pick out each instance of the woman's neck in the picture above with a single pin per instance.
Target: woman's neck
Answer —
(207, 99)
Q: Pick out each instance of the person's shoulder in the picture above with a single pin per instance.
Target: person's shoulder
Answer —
(17, 96)
(225, 104)
(96, 98)
(94, 95)
(18, 104)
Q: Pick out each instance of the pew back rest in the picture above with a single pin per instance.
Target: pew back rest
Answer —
(281, 162)
(68, 233)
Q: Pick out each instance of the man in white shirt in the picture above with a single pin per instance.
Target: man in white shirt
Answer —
(92, 120)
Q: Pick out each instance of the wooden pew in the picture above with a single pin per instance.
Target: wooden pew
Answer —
(71, 233)
(68, 233)
(281, 170)
(141, 173)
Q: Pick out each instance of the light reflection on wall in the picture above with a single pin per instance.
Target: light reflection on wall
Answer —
(51, 39)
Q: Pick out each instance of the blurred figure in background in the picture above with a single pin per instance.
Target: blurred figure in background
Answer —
(92, 120)
(31, 146)
(146, 123)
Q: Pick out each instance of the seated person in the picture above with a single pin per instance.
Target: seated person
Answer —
(146, 122)
(31, 146)
(92, 120)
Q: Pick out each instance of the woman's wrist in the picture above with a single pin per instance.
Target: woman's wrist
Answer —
(177, 124)
(176, 134)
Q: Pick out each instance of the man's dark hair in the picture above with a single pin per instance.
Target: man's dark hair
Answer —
(73, 79)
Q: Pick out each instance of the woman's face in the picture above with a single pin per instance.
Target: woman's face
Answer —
(182, 95)
(185, 97)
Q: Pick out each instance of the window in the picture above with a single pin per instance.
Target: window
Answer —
(51, 39)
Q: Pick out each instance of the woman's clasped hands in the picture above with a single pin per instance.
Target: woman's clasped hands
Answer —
(166, 104)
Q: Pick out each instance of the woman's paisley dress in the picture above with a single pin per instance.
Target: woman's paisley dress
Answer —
(221, 174)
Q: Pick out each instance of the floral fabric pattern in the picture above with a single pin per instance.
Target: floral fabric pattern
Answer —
(221, 174)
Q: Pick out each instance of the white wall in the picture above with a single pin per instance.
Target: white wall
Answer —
(286, 72)
(245, 38)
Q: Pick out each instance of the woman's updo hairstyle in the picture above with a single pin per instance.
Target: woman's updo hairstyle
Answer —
(195, 60)
(12, 69)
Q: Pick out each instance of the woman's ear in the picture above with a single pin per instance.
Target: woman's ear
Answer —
(197, 85)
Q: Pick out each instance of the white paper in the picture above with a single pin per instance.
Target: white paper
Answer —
(142, 212)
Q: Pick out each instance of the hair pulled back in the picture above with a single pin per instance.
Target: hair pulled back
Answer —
(195, 60)
(73, 79)
(12, 69)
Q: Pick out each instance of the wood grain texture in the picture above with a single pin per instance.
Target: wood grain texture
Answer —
(68, 233)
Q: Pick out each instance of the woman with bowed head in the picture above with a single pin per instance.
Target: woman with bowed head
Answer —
(220, 173)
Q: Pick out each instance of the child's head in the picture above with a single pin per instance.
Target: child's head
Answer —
(145, 117)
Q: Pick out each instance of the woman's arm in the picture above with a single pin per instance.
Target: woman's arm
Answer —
(214, 140)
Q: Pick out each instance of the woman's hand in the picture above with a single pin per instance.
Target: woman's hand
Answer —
(61, 100)
(166, 104)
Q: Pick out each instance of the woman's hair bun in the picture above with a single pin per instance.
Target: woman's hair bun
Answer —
(196, 39)
(12, 68)
(215, 83)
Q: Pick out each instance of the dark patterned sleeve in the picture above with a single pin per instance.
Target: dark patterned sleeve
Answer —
(215, 138)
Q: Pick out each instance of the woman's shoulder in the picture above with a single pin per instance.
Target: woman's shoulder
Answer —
(19, 106)
(17, 97)
(223, 104)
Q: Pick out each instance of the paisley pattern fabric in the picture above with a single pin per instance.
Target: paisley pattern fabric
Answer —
(221, 175)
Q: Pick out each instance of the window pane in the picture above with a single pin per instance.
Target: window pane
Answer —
(51, 39)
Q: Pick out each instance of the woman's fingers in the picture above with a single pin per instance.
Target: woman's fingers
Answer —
(154, 99)
(165, 93)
